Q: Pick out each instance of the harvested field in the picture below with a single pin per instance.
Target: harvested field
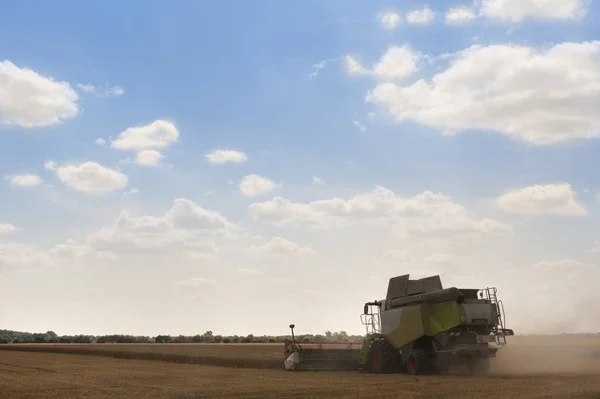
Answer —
(49, 375)
(523, 354)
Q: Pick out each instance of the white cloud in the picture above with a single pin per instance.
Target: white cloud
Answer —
(518, 10)
(113, 91)
(71, 249)
(50, 165)
(279, 246)
(424, 216)
(318, 66)
(389, 20)
(7, 228)
(543, 97)
(29, 99)
(557, 198)
(459, 15)
(423, 16)
(396, 63)
(458, 227)
(86, 87)
(100, 141)
(149, 158)
(91, 178)
(184, 228)
(353, 66)
(133, 191)
(255, 185)
(28, 180)
(220, 157)
(17, 255)
(159, 134)
(360, 126)
(317, 181)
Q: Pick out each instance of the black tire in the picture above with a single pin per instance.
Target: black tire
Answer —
(419, 362)
(383, 357)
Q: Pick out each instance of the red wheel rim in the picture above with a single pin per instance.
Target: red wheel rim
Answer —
(412, 364)
(375, 363)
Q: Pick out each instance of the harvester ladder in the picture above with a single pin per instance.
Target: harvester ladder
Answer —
(499, 312)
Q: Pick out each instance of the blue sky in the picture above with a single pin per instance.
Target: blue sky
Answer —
(237, 76)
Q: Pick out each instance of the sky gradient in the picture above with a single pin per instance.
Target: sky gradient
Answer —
(177, 167)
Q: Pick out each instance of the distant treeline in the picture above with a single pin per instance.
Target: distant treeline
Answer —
(50, 337)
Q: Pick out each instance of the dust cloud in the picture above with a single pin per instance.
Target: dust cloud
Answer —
(566, 354)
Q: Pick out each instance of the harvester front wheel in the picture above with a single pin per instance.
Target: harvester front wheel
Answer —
(383, 357)
(418, 362)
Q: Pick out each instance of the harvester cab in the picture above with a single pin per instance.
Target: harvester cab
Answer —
(420, 327)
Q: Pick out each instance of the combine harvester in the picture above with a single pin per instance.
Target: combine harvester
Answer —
(419, 328)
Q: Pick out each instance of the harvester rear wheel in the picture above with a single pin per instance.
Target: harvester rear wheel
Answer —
(418, 362)
(383, 357)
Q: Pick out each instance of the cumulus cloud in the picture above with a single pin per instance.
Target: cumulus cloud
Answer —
(255, 185)
(50, 165)
(184, 228)
(518, 10)
(73, 250)
(29, 99)
(220, 157)
(7, 228)
(156, 135)
(17, 255)
(398, 62)
(28, 180)
(146, 140)
(557, 198)
(456, 228)
(91, 178)
(100, 141)
(424, 216)
(353, 66)
(459, 15)
(279, 246)
(546, 96)
(422, 16)
(149, 158)
(389, 19)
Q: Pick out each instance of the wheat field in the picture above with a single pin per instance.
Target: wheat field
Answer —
(529, 367)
